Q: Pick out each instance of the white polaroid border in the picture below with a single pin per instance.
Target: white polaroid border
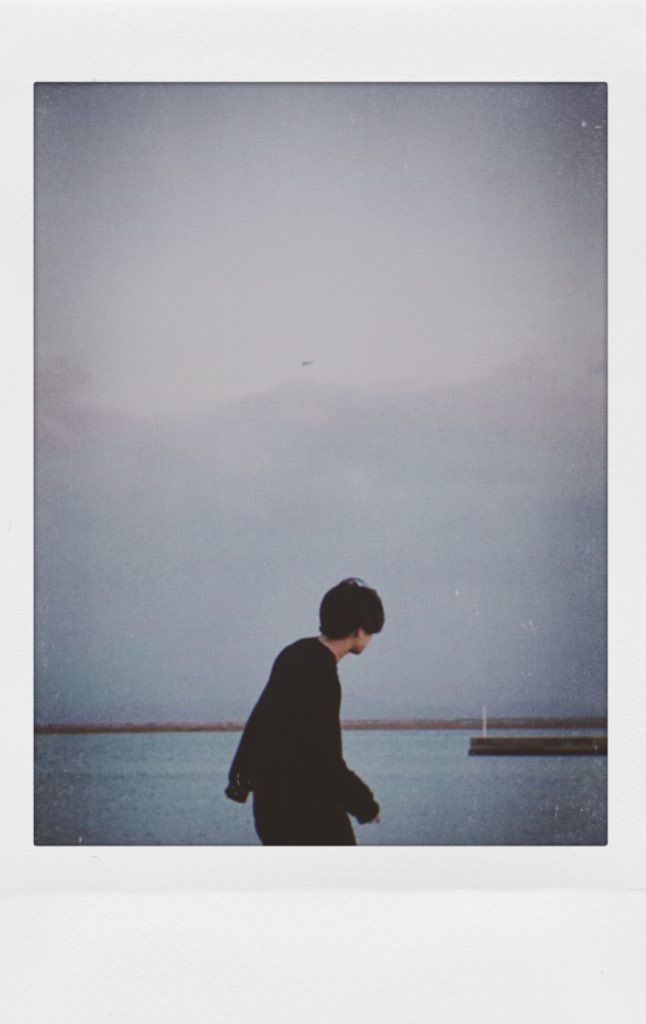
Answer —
(266, 41)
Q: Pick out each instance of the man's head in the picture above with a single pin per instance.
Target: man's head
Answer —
(351, 610)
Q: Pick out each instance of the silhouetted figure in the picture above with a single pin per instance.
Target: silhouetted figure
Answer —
(290, 755)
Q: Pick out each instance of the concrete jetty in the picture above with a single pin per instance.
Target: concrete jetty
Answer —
(524, 745)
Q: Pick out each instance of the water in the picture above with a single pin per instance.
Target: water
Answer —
(167, 789)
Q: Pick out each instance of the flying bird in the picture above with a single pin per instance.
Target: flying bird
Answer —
(307, 362)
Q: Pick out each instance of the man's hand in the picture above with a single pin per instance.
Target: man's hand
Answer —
(369, 814)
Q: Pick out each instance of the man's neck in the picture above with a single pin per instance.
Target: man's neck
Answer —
(339, 648)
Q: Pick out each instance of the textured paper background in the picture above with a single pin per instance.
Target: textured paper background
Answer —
(135, 934)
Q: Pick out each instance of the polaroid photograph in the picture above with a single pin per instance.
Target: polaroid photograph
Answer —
(311, 315)
(320, 442)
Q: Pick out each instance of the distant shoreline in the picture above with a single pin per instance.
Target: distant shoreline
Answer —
(74, 728)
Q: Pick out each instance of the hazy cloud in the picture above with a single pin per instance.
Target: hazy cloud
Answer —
(436, 256)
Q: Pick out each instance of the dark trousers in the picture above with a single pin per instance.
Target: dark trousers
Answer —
(285, 823)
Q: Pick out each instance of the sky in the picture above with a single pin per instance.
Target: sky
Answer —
(287, 334)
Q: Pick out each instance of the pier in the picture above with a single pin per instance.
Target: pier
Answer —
(527, 745)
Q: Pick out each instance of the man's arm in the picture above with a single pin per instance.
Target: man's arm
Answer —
(323, 734)
(356, 797)
(241, 773)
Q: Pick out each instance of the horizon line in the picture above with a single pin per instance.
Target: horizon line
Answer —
(457, 722)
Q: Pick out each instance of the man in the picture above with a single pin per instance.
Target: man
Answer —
(290, 755)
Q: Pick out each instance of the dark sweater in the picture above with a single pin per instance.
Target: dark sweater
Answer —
(291, 746)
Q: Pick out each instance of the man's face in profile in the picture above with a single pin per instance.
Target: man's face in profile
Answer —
(361, 640)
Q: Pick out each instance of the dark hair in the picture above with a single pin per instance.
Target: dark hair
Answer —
(349, 606)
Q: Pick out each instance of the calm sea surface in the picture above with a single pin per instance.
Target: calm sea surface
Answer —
(167, 789)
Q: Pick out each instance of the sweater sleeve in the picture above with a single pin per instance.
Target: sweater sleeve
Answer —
(356, 797)
(241, 772)
(331, 775)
